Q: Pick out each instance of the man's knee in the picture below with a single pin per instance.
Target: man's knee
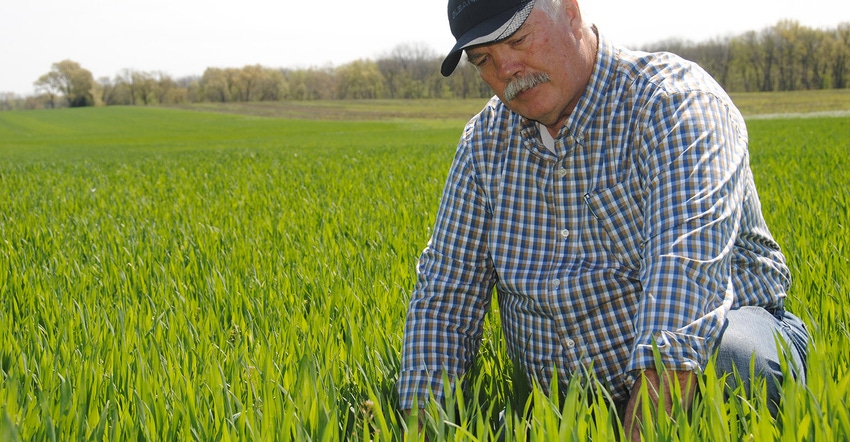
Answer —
(757, 342)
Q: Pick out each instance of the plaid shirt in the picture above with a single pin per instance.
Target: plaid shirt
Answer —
(644, 225)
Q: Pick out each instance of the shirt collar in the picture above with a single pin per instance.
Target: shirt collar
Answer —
(589, 104)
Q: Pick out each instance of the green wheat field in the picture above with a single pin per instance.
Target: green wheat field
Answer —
(216, 275)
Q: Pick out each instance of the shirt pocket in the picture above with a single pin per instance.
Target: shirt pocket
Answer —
(619, 217)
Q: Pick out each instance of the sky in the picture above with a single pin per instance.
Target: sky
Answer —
(184, 37)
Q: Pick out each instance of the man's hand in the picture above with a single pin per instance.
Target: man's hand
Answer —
(686, 384)
(419, 425)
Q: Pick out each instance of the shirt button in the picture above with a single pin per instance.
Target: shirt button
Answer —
(565, 233)
(562, 172)
(556, 282)
(570, 343)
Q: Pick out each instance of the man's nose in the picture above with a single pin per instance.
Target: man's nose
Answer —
(507, 64)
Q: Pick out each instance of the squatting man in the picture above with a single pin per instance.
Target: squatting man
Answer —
(606, 194)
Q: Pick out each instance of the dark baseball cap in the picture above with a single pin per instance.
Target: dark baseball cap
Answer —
(475, 22)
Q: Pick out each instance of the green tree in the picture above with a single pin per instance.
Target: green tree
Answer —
(69, 79)
(215, 85)
(243, 82)
(360, 79)
(466, 83)
(839, 54)
(311, 84)
(143, 86)
(271, 85)
(787, 37)
(166, 89)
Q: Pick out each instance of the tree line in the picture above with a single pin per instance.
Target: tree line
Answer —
(783, 57)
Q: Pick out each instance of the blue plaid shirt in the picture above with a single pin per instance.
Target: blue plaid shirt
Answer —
(643, 225)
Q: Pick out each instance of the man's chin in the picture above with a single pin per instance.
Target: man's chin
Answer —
(523, 103)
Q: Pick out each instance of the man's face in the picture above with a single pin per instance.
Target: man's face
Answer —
(546, 59)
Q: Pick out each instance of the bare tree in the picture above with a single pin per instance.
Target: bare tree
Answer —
(407, 69)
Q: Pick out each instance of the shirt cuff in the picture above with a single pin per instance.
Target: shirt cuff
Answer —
(417, 387)
(676, 351)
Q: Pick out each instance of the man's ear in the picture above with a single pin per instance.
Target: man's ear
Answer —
(573, 14)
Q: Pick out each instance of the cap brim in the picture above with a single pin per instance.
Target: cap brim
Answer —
(450, 63)
(497, 28)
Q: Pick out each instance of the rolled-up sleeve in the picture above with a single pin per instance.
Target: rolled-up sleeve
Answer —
(453, 292)
(695, 166)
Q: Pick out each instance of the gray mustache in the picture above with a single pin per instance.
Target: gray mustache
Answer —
(520, 84)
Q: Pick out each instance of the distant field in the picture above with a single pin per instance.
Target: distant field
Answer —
(193, 275)
(752, 105)
(797, 102)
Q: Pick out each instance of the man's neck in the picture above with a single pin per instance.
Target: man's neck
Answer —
(591, 46)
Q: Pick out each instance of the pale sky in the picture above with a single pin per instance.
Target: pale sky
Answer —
(184, 37)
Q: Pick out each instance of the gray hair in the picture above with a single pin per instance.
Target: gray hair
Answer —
(552, 8)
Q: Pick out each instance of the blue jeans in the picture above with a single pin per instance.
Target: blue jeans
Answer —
(750, 336)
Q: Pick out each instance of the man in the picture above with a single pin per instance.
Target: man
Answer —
(607, 195)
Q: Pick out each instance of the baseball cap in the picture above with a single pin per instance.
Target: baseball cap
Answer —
(475, 22)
